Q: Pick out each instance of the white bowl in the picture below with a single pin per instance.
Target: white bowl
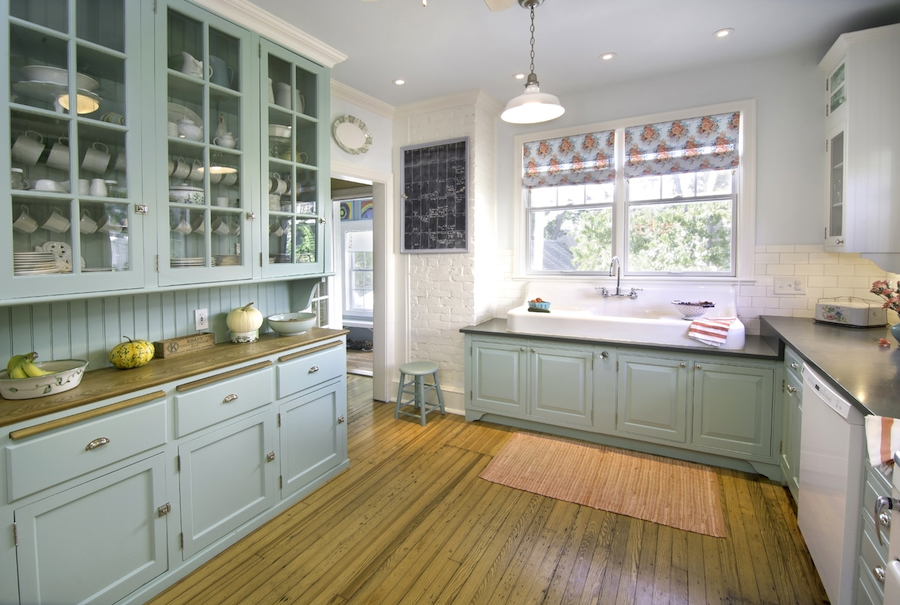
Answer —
(277, 130)
(55, 75)
(186, 195)
(289, 324)
(690, 310)
(67, 374)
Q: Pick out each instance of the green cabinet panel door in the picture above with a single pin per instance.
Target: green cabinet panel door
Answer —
(733, 408)
(499, 376)
(313, 435)
(561, 386)
(96, 542)
(652, 397)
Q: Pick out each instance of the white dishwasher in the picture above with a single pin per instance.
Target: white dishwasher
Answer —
(832, 445)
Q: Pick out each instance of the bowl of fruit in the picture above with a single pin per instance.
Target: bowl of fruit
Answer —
(539, 304)
(26, 378)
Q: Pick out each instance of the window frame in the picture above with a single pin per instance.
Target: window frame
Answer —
(744, 194)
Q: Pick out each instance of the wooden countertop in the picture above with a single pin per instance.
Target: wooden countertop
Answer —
(106, 383)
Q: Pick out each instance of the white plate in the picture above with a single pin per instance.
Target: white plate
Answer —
(49, 91)
(96, 269)
(58, 249)
(177, 112)
(56, 75)
(351, 134)
(36, 271)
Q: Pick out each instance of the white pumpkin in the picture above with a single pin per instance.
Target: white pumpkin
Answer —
(244, 319)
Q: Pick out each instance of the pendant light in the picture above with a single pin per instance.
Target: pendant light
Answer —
(532, 106)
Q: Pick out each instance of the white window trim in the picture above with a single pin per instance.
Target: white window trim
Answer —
(744, 234)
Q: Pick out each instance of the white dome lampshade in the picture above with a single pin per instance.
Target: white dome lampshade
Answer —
(532, 106)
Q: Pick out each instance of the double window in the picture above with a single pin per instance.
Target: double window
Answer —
(665, 196)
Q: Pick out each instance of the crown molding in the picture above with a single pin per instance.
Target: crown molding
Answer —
(351, 95)
(268, 25)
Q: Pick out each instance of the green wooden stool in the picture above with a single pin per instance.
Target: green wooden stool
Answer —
(417, 370)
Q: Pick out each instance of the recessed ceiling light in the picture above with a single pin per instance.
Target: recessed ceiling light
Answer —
(722, 33)
(399, 81)
(519, 76)
(607, 56)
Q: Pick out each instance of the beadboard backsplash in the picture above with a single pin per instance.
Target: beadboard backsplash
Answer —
(89, 328)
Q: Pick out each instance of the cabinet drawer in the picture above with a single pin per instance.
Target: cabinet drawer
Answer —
(202, 406)
(49, 460)
(308, 369)
(793, 364)
(872, 556)
(871, 492)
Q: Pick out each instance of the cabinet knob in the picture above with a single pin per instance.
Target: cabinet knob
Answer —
(533, 351)
(251, 216)
(878, 572)
(682, 364)
(840, 242)
(698, 367)
(313, 370)
(521, 349)
(230, 398)
(885, 519)
(791, 389)
(323, 220)
(270, 456)
(96, 443)
(341, 420)
(604, 355)
(141, 209)
(795, 365)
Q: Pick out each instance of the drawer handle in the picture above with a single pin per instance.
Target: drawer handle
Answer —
(878, 514)
(313, 370)
(878, 572)
(230, 398)
(795, 366)
(791, 389)
(96, 443)
(885, 519)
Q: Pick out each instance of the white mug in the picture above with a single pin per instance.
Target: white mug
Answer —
(172, 129)
(84, 186)
(230, 179)
(120, 161)
(199, 225)
(107, 224)
(301, 103)
(56, 222)
(271, 92)
(98, 188)
(283, 94)
(28, 147)
(180, 169)
(59, 155)
(87, 225)
(277, 231)
(24, 222)
(48, 185)
(277, 185)
(96, 158)
(184, 227)
(221, 227)
(196, 173)
(223, 201)
(274, 201)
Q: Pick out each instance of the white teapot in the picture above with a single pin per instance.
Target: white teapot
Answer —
(187, 129)
(226, 140)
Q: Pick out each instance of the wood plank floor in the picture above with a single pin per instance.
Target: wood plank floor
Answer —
(411, 522)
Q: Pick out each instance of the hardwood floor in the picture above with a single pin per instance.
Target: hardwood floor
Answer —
(359, 362)
(411, 522)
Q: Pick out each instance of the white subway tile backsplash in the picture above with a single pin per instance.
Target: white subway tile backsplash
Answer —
(767, 259)
(824, 258)
(780, 248)
(839, 270)
(852, 281)
(780, 269)
(793, 258)
(809, 269)
(822, 281)
(808, 248)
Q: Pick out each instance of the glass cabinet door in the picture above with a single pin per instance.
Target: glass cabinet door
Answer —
(834, 236)
(206, 236)
(74, 118)
(295, 163)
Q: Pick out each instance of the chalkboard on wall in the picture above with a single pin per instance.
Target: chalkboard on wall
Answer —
(434, 185)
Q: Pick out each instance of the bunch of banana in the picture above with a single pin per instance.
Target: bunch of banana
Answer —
(22, 366)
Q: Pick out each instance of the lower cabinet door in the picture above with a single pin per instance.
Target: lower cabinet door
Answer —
(313, 436)
(227, 477)
(733, 408)
(562, 385)
(498, 377)
(96, 542)
(652, 397)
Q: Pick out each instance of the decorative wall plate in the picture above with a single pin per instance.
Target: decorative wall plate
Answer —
(351, 134)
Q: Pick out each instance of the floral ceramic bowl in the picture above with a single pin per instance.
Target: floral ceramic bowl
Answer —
(185, 194)
(67, 374)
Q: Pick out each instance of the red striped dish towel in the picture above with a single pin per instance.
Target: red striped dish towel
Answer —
(882, 439)
(713, 332)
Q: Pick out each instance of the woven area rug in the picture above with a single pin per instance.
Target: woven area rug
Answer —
(669, 492)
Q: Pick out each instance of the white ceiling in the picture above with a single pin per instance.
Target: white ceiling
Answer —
(456, 45)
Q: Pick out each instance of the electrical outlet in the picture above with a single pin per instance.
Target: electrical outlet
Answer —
(201, 319)
(790, 284)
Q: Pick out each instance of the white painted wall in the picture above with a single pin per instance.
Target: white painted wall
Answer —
(377, 117)
(790, 134)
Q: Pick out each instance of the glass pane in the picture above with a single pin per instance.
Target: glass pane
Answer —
(836, 193)
(694, 236)
(224, 60)
(306, 86)
(567, 240)
(187, 230)
(837, 78)
(715, 182)
(678, 185)
(39, 74)
(226, 231)
(838, 97)
(362, 260)
(644, 188)
(544, 197)
(101, 22)
(103, 230)
(49, 13)
(599, 194)
(571, 195)
(305, 243)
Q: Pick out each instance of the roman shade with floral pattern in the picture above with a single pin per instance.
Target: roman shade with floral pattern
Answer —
(573, 160)
(679, 146)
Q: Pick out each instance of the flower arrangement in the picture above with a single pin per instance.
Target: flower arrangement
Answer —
(891, 295)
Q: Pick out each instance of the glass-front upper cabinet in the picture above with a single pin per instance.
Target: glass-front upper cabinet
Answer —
(295, 163)
(208, 90)
(74, 216)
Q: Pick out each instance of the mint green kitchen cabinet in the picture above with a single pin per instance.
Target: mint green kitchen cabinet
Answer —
(498, 373)
(95, 542)
(792, 415)
(294, 163)
(76, 218)
(227, 477)
(313, 435)
(732, 408)
(872, 555)
(532, 380)
(652, 396)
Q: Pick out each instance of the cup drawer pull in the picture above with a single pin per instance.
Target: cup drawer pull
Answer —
(96, 443)
(313, 370)
(230, 398)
